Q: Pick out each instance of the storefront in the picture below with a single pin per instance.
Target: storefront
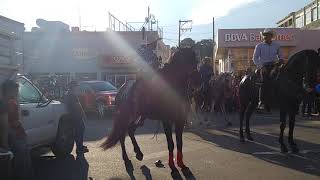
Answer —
(82, 55)
(236, 46)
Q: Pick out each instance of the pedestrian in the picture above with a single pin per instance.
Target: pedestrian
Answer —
(17, 136)
(206, 72)
(308, 102)
(77, 116)
(266, 55)
(3, 125)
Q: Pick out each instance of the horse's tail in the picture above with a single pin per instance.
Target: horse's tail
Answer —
(121, 118)
(121, 122)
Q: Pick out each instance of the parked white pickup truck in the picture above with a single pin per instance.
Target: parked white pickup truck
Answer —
(46, 121)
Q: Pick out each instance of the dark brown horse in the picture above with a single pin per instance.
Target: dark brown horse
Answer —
(302, 66)
(164, 98)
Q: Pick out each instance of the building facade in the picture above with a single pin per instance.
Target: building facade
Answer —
(83, 55)
(10, 42)
(308, 17)
(234, 52)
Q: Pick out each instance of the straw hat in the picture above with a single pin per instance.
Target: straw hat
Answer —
(268, 31)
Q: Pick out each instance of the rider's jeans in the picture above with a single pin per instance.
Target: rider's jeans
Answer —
(266, 90)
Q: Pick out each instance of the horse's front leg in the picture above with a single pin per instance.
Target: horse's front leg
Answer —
(292, 120)
(139, 154)
(168, 131)
(252, 106)
(127, 162)
(179, 130)
(283, 116)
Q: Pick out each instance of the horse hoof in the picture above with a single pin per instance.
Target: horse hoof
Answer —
(284, 149)
(129, 166)
(249, 137)
(139, 156)
(186, 172)
(294, 149)
(175, 174)
(242, 139)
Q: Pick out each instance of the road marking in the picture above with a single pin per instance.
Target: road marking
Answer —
(277, 152)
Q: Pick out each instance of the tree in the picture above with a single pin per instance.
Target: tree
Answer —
(204, 48)
(187, 42)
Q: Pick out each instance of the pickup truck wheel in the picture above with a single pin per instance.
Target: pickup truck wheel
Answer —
(64, 139)
(100, 110)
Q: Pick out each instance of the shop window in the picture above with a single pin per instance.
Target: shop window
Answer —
(290, 22)
(314, 14)
(308, 17)
(300, 22)
(86, 76)
(318, 11)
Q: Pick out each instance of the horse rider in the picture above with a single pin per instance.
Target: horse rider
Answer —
(266, 55)
(206, 72)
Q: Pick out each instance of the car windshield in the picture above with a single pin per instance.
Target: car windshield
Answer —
(102, 86)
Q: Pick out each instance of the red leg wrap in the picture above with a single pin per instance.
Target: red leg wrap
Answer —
(179, 159)
(171, 162)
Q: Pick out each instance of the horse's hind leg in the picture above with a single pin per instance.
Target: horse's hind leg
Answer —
(223, 111)
(292, 119)
(283, 116)
(127, 162)
(139, 154)
(242, 113)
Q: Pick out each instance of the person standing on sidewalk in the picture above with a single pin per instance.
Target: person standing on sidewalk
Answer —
(77, 116)
(17, 136)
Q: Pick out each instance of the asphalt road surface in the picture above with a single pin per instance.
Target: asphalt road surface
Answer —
(211, 153)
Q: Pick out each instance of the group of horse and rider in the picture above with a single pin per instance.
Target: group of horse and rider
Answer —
(166, 96)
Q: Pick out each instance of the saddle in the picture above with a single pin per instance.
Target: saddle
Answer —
(274, 74)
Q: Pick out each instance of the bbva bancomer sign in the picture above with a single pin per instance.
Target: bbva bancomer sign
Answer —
(240, 37)
(251, 37)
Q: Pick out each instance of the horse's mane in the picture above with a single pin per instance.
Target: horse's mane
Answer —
(182, 56)
(297, 56)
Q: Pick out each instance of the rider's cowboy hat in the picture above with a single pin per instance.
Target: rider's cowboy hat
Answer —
(268, 31)
(207, 59)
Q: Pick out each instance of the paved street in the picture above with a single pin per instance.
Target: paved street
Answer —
(213, 153)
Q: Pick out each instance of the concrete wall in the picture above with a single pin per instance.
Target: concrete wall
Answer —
(14, 29)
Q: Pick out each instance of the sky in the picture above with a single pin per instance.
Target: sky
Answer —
(93, 14)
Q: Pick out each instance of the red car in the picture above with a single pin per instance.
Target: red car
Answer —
(97, 96)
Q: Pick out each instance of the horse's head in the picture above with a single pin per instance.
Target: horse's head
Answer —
(184, 59)
(305, 64)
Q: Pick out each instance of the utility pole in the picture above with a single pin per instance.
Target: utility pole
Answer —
(179, 32)
(148, 18)
(181, 28)
(213, 48)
